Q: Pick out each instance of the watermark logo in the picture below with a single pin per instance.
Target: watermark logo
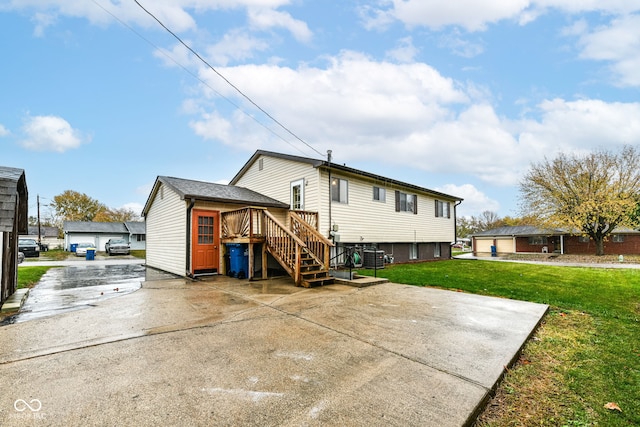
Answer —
(21, 405)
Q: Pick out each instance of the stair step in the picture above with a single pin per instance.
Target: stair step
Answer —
(307, 283)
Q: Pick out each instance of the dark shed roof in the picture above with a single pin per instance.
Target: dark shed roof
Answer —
(13, 190)
(212, 192)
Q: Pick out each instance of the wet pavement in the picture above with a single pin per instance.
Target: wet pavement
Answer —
(231, 352)
(81, 285)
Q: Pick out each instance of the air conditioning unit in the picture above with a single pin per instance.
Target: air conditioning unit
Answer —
(373, 258)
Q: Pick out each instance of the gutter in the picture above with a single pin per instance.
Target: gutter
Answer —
(188, 251)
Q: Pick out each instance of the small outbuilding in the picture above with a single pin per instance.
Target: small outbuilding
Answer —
(98, 233)
(14, 219)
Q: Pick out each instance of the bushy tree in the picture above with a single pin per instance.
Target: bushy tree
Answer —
(588, 194)
(74, 206)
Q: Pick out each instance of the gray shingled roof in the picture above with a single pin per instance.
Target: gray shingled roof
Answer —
(531, 230)
(45, 231)
(210, 191)
(338, 167)
(136, 227)
(520, 230)
(94, 227)
(12, 182)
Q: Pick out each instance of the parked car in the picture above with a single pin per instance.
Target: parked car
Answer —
(81, 249)
(117, 246)
(29, 247)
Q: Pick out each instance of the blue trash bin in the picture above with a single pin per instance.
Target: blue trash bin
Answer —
(494, 250)
(238, 260)
(91, 254)
(73, 247)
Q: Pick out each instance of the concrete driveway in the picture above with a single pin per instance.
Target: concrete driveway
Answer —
(228, 352)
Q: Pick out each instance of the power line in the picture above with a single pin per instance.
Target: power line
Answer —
(227, 80)
(163, 52)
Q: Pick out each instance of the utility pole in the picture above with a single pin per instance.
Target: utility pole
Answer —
(39, 232)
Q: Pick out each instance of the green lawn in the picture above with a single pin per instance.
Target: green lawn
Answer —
(30, 275)
(586, 353)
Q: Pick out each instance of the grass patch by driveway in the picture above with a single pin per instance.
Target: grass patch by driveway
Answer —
(585, 355)
(30, 275)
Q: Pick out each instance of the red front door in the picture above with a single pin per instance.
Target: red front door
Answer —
(205, 241)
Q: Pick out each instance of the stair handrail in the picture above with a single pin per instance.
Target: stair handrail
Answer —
(317, 244)
(284, 245)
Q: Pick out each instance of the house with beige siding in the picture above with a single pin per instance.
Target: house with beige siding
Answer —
(356, 208)
(294, 214)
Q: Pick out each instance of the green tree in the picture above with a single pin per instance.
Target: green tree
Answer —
(117, 215)
(74, 206)
(589, 195)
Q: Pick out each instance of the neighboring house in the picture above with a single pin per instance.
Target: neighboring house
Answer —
(287, 210)
(47, 236)
(98, 233)
(137, 234)
(185, 230)
(406, 221)
(14, 219)
(531, 239)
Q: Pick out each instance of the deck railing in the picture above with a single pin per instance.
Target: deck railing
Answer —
(318, 245)
(243, 223)
(309, 217)
(285, 246)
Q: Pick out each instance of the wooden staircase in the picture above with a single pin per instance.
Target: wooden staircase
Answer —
(300, 248)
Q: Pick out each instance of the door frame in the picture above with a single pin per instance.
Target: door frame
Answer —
(213, 266)
(296, 183)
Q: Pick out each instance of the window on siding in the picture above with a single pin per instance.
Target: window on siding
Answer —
(141, 237)
(379, 194)
(413, 251)
(406, 202)
(260, 164)
(443, 209)
(538, 240)
(618, 238)
(339, 190)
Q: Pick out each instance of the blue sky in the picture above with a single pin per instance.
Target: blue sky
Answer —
(457, 96)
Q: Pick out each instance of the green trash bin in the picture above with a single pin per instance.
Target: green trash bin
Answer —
(91, 254)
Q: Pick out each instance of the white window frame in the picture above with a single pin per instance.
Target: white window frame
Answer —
(342, 186)
(294, 184)
(381, 194)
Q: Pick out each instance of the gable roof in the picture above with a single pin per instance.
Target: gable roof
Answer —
(337, 167)
(13, 198)
(212, 192)
(94, 227)
(136, 227)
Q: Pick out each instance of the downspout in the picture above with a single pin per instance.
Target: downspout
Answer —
(188, 251)
(455, 224)
(329, 169)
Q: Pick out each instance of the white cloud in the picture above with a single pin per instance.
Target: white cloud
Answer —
(3, 131)
(236, 45)
(473, 15)
(404, 52)
(475, 201)
(617, 43)
(265, 19)
(50, 133)
(405, 115)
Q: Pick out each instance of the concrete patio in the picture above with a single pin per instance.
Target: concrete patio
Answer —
(231, 352)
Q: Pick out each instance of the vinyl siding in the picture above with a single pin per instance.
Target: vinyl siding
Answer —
(166, 232)
(276, 176)
(363, 219)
